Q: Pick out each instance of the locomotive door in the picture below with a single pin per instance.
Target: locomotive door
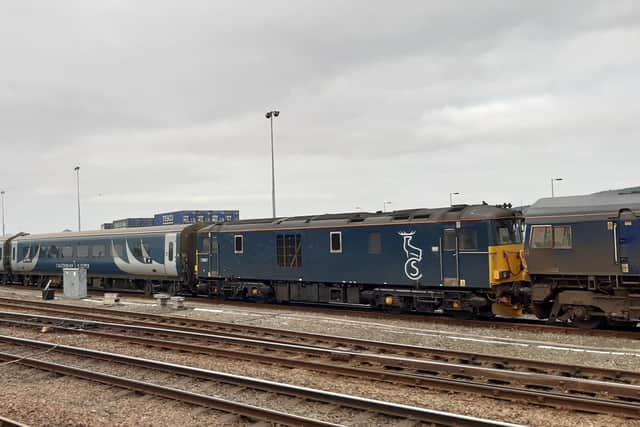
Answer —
(629, 243)
(449, 273)
(213, 257)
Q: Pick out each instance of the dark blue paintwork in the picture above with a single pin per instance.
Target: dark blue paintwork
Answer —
(355, 264)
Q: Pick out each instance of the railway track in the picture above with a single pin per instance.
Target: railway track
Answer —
(313, 339)
(369, 411)
(530, 325)
(598, 391)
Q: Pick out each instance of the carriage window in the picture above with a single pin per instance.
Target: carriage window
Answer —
(53, 252)
(82, 251)
(206, 245)
(449, 240)
(289, 250)
(375, 243)
(238, 244)
(136, 250)
(146, 249)
(119, 249)
(541, 237)
(26, 252)
(0, 253)
(170, 251)
(98, 251)
(469, 239)
(67, 252)
(562, 237)
(335, 238)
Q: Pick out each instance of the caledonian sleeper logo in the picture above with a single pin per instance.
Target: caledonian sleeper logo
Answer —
(414, 256)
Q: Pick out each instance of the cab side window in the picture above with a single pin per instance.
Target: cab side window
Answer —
(562, 237)
(551, 237)
(541, 237)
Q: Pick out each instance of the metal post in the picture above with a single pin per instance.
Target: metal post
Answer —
(451, 198)
(2, 194)
(271, 115)
(77, 169)
(273, 172)
(552, 185)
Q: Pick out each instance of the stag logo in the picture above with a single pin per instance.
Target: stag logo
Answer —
(414, 256)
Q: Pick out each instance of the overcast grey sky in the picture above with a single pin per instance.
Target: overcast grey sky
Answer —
(162, 104)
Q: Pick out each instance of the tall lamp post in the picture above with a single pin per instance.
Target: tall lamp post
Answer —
(77, 169)
(271, 115)
(451, 198)
(553, 180)
(384, 206)
(2, 195)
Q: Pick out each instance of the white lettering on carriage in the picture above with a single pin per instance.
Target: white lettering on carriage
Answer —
(414, 256)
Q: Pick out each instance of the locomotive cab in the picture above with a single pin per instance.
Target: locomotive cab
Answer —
(507, 268)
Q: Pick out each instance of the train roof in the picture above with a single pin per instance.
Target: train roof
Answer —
(453, 213)
(102, 233)
(604, 204)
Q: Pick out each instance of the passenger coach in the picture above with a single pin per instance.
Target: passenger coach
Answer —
(151, 258)
(583, 256)
(457, 259)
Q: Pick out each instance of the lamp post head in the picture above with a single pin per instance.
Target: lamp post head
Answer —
(274, 113)
(77, 168)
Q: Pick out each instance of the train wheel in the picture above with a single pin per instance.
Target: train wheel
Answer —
(581, 317)
(593, 323)
(541, 310)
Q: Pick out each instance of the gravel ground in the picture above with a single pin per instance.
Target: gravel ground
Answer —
(459, 403)
(39, 398)
(614, 353)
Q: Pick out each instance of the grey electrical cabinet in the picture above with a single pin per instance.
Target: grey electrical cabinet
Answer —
(74, 283)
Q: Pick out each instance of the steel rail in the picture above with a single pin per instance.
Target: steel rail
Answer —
(6, 422)
(342, 400)
(568, 393)
(529, 325)
(355, 344)
(374, 365)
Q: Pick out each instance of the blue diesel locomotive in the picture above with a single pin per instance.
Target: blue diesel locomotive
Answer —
(460, 259)
(149, 259)
(583, 257)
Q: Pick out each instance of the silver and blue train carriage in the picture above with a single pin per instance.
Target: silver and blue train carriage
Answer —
(150, 258)
(583, 257)
(452, 259)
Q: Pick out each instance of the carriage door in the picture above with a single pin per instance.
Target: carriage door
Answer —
(171, 254)
(449, 274)
(629, 243)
